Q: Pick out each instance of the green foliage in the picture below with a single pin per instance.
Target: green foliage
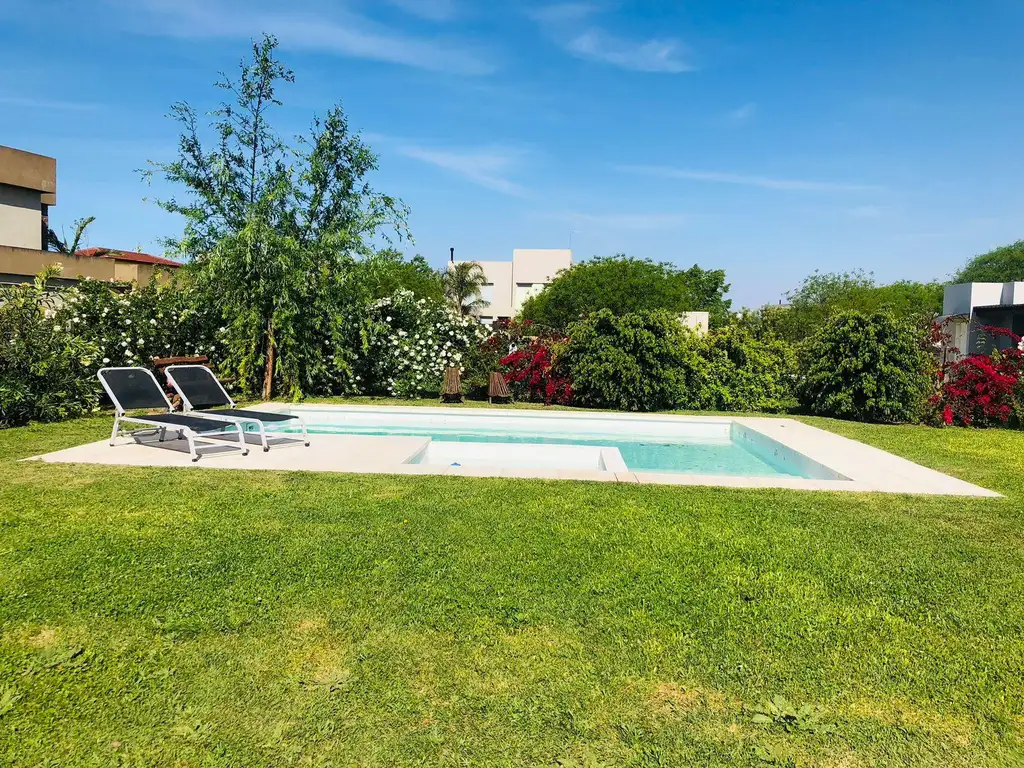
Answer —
(273, 230)
(623, 285)
(824, 295)
(406, 344)
(45, 371)
(386, 272)
(463, 286)
(131, 324)
(747, 373)
(864, 367)
(781, 712)
(1003, 265)
(640, 361)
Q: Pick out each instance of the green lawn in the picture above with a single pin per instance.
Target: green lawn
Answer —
(197, 618)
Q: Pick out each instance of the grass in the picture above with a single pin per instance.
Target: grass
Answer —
(155, 617)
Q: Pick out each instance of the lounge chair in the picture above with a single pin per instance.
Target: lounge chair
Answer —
(137, 389)
(203, 397)
(451, 388)
(497, 388)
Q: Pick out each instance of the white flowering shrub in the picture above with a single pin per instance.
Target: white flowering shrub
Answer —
(130, 327)
(408, 343)
(45, 373)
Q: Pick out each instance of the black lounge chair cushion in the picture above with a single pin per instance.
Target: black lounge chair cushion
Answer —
(264, 416)
(194, 423)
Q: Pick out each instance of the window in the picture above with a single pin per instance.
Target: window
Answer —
(487, 292)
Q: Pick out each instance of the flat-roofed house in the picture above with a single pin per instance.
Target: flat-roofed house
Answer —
(28, 188)
(510, 283)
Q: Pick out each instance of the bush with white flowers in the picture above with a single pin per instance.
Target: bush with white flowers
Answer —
(131, 326)
(408, 343)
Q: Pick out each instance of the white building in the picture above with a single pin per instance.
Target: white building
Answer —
(967, 307)
(510, 283)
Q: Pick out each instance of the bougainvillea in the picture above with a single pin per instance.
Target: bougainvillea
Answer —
(981, 389)
(533, 371)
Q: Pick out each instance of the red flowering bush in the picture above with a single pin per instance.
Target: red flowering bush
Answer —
(532, 370)
(982, 389)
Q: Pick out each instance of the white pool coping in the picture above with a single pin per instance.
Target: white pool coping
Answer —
(868, 469)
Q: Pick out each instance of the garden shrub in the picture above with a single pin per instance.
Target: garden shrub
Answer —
(641, 361)
(46, 373)
(864, 367)
(131, 324)
(746, 373)
(408, 343)
(984, 389)
(533, 372)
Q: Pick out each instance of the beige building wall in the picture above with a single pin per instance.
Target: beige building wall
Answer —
(20, 265)
(20, 217)
(511, 283)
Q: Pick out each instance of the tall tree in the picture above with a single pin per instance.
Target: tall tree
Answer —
(271, 229)
(1003, 265)
(62, 245)
(463, 287)
(623, 284)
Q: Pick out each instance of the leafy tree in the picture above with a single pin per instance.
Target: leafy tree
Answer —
(822, 296)
(463, 286)
(866, 367)
(273, 230)
(1003, 265)
(386, 272)
(623, 284)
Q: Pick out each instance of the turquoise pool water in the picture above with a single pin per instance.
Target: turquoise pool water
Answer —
(699, 457)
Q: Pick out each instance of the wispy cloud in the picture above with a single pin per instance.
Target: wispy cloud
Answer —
(48, 104)
(486, 167)
(571, 25)
(744, 113)
(341, 32)
(765, 182)
(434, 10)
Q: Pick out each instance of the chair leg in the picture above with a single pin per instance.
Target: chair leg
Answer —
(241, 441)
(188, 435)
(163, 434)
(263, 437)
(114, 431)
(305, 435)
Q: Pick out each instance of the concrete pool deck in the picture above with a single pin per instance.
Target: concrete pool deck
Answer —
(863, 467)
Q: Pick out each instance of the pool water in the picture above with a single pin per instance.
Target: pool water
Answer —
(698, 455)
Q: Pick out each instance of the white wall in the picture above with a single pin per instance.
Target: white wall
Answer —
(21, 218)
(512, 282)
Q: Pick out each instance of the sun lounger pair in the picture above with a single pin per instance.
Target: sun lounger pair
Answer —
(208, 410)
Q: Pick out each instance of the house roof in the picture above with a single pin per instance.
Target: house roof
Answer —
(133, 256)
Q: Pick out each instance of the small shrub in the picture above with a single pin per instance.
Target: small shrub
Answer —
(641, 361)
(46, 373)
(532, 372)
(746, 373)
(865, 368)
(984, 389)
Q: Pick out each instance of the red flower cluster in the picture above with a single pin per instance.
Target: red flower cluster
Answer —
(980, 389)
(531, 367)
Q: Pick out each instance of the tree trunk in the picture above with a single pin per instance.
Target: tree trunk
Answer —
(268, 371)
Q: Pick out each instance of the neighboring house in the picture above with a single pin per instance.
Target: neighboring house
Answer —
(28, 187)
(510, 283)
(968, 307)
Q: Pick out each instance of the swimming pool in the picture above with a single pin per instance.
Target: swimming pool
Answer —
(563, 440)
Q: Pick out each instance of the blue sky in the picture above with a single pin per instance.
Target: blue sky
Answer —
(767, 138)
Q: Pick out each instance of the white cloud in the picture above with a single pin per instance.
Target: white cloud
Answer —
(343, 32)
(487, 167)
(569, 25)
(434, 10)
(744, 113)
(765, 182)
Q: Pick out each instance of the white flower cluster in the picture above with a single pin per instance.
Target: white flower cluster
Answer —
(422, 340)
